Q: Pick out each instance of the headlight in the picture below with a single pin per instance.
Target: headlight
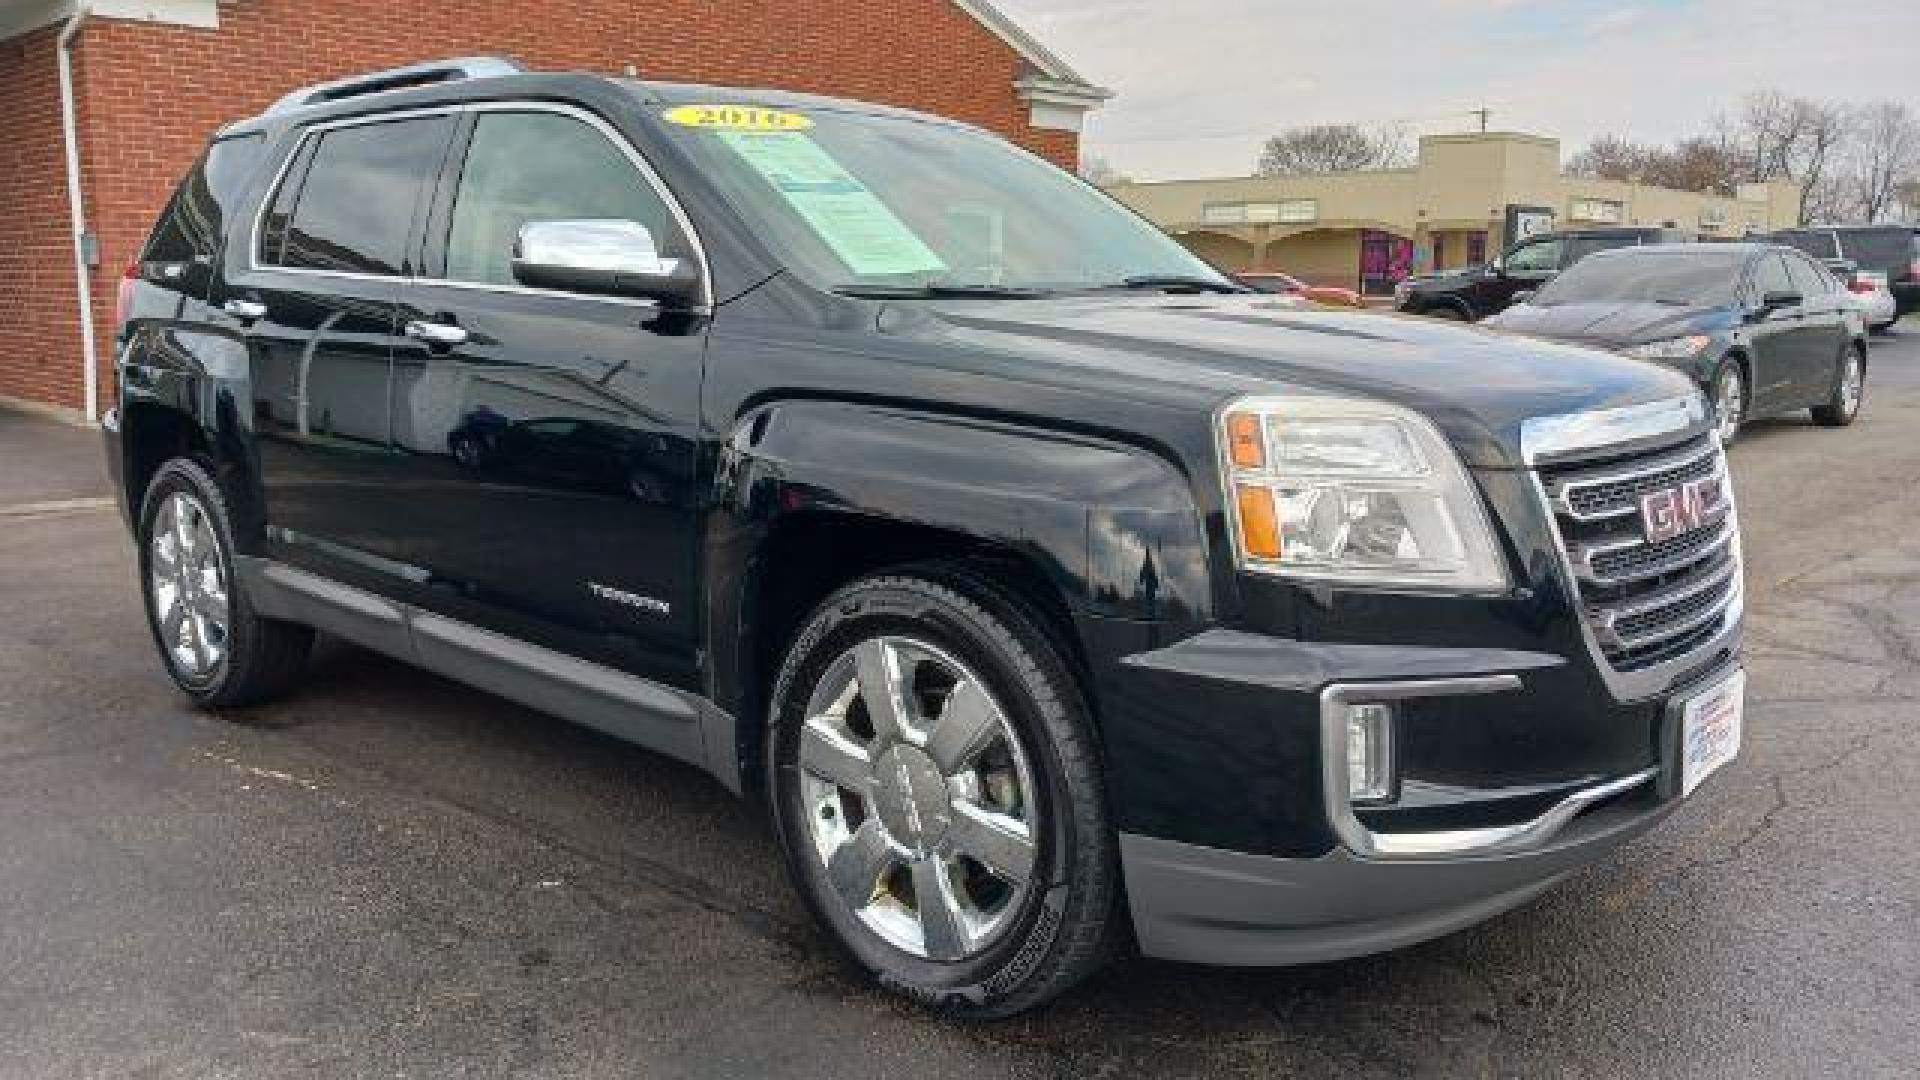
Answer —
(1357, 491)
(1679, 348)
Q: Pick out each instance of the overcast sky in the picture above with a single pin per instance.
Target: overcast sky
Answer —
(1200, 82)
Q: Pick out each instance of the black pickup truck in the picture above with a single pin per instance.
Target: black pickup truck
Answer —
(1053, 594)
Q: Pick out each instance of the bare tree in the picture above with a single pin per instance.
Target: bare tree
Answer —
(1611, 157)
(1700, 164)
(1697, 164)
(1326, 148)
(1100, 172)
(1886, 158)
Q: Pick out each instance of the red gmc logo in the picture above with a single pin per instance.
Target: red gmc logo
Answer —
(1675, 511)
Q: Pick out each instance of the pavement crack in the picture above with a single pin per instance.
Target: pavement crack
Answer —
(1781, 802)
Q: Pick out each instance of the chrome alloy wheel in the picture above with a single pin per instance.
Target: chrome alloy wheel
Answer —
(1730, 404)
(919, 800)
(189, 586)
(1850, 384)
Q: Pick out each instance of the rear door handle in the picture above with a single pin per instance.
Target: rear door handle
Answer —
(245, 310)
(444, 335)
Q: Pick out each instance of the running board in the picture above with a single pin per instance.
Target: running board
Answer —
(628, 707)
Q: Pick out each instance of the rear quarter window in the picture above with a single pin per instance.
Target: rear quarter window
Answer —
(1820, 245)
(194, 225)
(1879, 250)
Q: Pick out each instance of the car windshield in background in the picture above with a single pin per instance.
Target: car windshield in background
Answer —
(1675, 278)
(890, 204)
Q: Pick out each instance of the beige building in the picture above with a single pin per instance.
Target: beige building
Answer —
(1466, 197)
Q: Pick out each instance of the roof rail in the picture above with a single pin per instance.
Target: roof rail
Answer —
(400, 78)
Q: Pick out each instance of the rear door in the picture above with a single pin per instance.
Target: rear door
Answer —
(1823, 333)
(576, 530)
(1778, 339)
(315, 289)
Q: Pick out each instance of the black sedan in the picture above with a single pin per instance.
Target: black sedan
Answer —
(1760, 327)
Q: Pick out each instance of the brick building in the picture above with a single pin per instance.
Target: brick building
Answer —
(150, 80)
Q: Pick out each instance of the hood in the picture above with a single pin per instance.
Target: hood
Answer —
(1609, 325)
(1478, 386)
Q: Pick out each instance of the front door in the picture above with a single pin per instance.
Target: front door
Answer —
(316, 291)
(1526, 266)
(549, 438)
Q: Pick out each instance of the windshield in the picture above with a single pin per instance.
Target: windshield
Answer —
(1646, 276)
(855, 201)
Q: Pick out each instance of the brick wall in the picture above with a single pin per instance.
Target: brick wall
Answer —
(151, 95)
(39, 342)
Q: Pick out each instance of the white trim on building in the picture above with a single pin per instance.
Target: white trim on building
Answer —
(21, 16)
(1057, 97)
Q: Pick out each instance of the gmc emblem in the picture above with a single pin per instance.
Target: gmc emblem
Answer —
(1675, 511)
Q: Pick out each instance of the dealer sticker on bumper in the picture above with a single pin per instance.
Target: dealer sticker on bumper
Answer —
(1710, 731)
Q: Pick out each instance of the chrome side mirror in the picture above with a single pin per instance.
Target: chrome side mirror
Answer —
(605, 257)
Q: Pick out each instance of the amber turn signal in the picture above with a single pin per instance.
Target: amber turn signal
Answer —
(1259, 525)
(1244, 442)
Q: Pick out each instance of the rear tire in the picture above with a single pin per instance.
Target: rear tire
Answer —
(1849, 391)
(985, 724)
(218, 650)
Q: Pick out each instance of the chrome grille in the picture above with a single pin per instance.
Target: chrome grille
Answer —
(1645, 603)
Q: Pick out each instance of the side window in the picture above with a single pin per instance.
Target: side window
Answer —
(348, 204)
(196, 220)
(538, 166)
(1542, 257)
(1809, 280)
(1770, 275)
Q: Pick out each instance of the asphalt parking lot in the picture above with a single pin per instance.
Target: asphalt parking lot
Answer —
(391, 875)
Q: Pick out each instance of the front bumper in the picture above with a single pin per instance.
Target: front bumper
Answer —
(1207, 906)
(1394, 876)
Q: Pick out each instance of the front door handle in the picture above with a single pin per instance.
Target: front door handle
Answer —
(443, 335)
(245, 310)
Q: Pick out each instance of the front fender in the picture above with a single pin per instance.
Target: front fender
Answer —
(1113, 527)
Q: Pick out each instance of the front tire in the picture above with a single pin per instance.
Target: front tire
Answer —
(216, 647)
(1728, 395)
(937, 794)
(1849, 391)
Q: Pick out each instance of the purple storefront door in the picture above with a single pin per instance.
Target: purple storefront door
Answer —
(1384, 260)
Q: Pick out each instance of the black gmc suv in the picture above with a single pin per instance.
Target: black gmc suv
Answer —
(1475, 292)
(1052, 593)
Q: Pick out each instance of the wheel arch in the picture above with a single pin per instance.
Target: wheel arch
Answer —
(153, 434)
(814, 495)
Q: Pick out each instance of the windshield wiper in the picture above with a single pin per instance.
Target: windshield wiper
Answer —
(1179, 283)
(938, 290)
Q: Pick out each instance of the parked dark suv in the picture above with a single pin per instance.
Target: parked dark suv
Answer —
(1054, 594)
(1891, 250)
(1475, 292)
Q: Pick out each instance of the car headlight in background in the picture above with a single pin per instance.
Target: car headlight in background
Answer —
(1679, 348)
(1336, 489)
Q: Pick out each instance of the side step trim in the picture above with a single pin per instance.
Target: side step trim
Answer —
(628, 707)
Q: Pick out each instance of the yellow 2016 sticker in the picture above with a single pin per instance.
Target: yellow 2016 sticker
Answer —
(737, 118)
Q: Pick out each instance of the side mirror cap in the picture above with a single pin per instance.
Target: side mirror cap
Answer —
(603, 257)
